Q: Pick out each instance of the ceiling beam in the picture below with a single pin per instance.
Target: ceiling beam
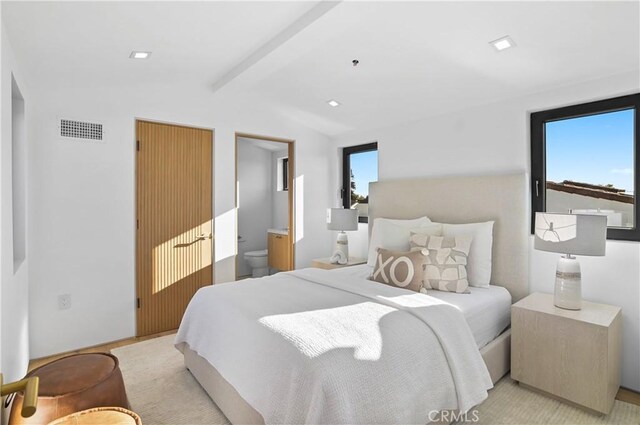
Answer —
(282, 37)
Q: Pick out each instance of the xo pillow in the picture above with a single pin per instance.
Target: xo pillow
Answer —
(479, 263)
(392, 234)
(446, 260)
(401, 269)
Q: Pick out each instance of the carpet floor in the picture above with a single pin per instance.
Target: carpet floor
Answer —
(162, 391)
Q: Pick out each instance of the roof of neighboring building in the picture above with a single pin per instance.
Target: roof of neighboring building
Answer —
(594, 191)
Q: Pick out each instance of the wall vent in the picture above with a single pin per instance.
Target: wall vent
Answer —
(81, 130)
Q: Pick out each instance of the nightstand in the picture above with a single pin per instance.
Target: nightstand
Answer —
(324, 263)
(573, 355)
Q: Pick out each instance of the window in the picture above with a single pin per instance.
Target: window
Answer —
(285, 174)
(359, 168)
(584, 160)
(282, 174)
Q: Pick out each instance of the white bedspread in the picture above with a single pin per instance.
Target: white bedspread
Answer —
(314, 347)
(487, 310)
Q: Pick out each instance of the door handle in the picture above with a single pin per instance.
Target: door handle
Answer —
(198, 238)
(30, 388)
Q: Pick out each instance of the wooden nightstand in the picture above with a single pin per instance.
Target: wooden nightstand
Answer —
(572, 355)
(323, 263)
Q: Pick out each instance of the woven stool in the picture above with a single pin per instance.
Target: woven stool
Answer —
(100, 416)
(72, 384)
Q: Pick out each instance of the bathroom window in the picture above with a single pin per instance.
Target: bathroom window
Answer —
(282, 175)
(359, 168)
(584, 160)
(285, 173)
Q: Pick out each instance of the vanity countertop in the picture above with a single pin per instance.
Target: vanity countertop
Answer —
(279, 231)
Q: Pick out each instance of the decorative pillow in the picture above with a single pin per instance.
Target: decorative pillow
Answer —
(401, 269)
(446, 262)
(396, 238)
(418, 236)
(479, 267)
(391, 234)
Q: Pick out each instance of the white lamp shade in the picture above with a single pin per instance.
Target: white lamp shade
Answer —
(577, 234)
(342, 219)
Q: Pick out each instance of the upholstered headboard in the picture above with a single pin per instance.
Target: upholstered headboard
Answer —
(502, 198)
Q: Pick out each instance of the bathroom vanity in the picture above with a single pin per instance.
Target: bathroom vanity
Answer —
(279, 249)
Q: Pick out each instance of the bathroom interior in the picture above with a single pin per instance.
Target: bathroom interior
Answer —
(262, 198)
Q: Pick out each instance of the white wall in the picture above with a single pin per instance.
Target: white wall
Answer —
(280, 202)
(495, 139)
(255, 186)
(82, 197)
(18, 175)
(2, 127)
(14, 311)
(358, 241)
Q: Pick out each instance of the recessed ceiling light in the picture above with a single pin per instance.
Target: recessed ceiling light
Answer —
(333, 103)
(502, 43)
(139, 55)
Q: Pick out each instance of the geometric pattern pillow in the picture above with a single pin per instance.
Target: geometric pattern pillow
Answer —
(446, 262)
(418, 238)
(401, 269)
(418, 235)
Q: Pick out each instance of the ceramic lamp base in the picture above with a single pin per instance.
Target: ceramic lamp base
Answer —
(342, 244)
(568, 290)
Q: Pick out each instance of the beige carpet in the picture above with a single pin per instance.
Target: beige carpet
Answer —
(162, 391)
(159, 387)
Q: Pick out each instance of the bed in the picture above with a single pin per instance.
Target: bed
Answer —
(317, 346)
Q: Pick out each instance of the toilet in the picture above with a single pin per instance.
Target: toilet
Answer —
(257, 260)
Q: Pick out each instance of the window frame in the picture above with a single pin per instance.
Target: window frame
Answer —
(345, 193)
(538, 154)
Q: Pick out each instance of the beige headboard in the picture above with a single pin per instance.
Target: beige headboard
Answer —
(502, 198)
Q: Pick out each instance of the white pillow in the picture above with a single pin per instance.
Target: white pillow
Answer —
(391, 234)
(479, 261)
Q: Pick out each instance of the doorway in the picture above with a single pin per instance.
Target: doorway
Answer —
(264, 201)
(174, 221)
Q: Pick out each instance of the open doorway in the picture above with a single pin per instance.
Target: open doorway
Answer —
(264, 196)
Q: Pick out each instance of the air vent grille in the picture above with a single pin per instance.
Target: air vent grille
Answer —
(81, 130)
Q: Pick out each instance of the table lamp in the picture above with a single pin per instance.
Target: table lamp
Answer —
(570, 234)
(341, 219)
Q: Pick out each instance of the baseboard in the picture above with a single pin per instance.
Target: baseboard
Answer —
(106, 346)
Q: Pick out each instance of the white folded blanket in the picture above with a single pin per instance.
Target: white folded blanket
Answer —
(314, 347)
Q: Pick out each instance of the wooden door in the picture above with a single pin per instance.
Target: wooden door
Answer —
(174, 248)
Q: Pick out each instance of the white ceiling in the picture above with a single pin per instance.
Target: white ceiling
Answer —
(88, 43)
(417, 59)
(422, 59)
